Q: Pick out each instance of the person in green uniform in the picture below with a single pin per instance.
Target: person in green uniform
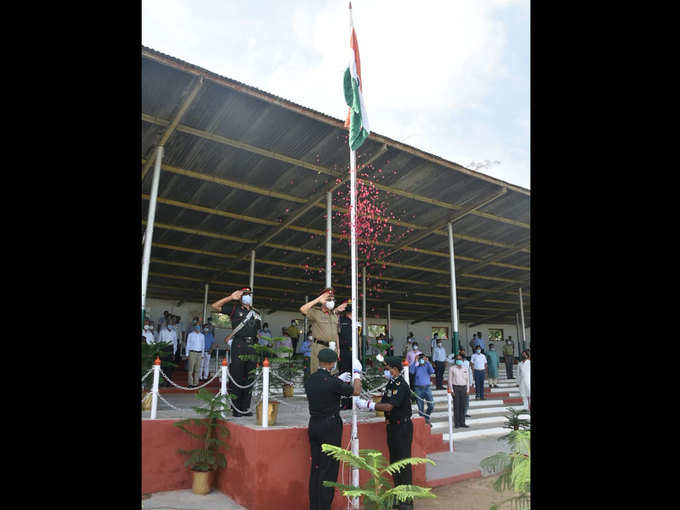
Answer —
(509, 357)
(492, 357)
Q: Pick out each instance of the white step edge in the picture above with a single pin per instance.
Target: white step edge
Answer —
(478, 421)
(468, 434)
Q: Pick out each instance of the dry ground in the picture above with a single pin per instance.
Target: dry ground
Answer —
(474, 494)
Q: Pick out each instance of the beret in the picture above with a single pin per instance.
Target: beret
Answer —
(328, 355)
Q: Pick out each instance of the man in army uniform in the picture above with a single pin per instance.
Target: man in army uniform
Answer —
(396, 404)
(324, 323)
(325, 425)
(245, 323)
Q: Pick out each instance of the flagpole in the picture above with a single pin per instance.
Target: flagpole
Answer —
(353, 244)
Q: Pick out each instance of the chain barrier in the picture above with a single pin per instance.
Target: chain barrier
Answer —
(257, 376)
(144, 376)
(281, 378)
(184, 388)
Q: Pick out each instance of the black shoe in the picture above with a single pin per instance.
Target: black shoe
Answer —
(468, 416)
(248, 414)
(456, 426)
(465, 426)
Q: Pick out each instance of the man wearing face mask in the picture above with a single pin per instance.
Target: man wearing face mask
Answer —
(396, 404)
(479, 363)
(421, 370)
(169, 335)
(413, 353)
(459, 383)
(509, 357)
(207, 351)
(325, 425)
(245, 323)
(324, 323)
(147, 333)
(194, 351)
(439, 358)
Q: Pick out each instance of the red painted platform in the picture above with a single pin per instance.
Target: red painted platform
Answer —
(267, 469)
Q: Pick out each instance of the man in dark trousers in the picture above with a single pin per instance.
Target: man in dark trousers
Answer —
(245, 323)
(325, 425)
(345, 338)
(396, 404)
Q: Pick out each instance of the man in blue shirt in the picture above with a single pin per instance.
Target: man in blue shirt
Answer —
(481, 342)
(306, 349)
(207, 350)
(421, 370)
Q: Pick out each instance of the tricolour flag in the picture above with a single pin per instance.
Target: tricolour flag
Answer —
(357, 119)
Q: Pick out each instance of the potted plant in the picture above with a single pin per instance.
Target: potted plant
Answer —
(378, 492)
(514, 422)
(515, 469)
(206, 459)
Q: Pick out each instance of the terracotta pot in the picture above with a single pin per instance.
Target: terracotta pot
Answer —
(146, 401)
(288, 390)
(272, 414)
(202, 482)
(377, 399)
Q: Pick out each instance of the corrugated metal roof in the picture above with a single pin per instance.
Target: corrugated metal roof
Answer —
(235, 145)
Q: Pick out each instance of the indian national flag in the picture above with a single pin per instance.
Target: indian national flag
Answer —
(357, 119)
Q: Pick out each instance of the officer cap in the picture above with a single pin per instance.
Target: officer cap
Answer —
(393, 361)
(246, 290)
(329, 290)
(328, 355)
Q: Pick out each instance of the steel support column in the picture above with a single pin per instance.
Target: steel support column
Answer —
(454, 301)
(148, 236)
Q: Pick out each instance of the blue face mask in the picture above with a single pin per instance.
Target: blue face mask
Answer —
(478, 351)
(459, 362)
(197, 328)
(247, 299)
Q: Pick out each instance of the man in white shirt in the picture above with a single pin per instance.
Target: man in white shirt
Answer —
(413, 353)
(479, 363)
(147, 333)
(194, 351)
(433, 343)
(439, 358)
(169, 335)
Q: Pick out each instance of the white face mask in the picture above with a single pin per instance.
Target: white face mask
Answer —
(146, 327)
(247, 299)
(330, 304)
(310, 338)
(388, 375)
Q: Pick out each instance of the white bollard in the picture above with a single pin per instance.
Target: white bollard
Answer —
(265, 393)
(154, 391)
(405, 373)
(448, 394)
(223, 382)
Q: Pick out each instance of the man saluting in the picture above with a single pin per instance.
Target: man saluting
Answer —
(245, 323)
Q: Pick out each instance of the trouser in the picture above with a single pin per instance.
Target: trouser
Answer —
(399, 438)
(508, 365)
(425, 393)
(439, 367)
(459, 399)
(493, 381)
(525, 402)
(305, 369)
(240, 371)
(324, 467)
(194, 367)
(345, 361)
(479, 382)
(166, 358)
(295, 343)
(314, 362)
(205, 365)
(467, 402)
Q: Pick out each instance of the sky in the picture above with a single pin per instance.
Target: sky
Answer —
(448, 77)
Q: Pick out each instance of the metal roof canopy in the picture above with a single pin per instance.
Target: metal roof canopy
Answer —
(243, 168)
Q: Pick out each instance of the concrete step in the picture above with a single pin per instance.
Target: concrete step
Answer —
(473, 422)
(471, 433)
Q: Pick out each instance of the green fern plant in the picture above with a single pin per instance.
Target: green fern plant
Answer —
(207, 458)
(514, 469)
(378, 492)
(514, 422)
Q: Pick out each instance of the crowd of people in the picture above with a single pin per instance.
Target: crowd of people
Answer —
(332, 379)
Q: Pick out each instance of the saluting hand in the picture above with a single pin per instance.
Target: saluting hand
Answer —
(236, 295)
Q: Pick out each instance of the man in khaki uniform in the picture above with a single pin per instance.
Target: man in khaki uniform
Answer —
(324, 323)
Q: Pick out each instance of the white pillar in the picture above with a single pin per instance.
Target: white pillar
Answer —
(329, 236)
(223, 382)
(524, 331)
(265, 393)
(448, 397)
(306, 326)
(252, 271)
(154, 390)
(205, 305)
(148, 236)
(389, 322)
(405, 372)
(454, 302)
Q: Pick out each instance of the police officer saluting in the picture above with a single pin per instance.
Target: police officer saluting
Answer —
(325, 425)
(396, 403)
(245, 323)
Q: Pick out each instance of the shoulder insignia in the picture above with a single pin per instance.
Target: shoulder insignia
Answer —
(397, 383)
